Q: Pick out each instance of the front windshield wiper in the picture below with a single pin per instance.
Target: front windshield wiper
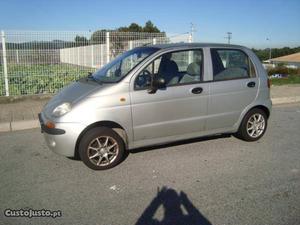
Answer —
(90, 76)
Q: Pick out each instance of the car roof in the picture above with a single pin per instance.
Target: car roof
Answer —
(195, 45)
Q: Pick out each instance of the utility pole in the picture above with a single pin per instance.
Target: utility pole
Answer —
(192, 31)
(229, 37)
(270, 52)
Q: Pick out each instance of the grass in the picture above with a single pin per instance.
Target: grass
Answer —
(291, 79)
(40, 79)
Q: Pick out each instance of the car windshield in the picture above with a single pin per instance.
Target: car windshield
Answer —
(122, 65)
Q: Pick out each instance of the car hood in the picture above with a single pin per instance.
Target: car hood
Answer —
(72, 93)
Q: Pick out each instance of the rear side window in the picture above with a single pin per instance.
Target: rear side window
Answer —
(231, 64)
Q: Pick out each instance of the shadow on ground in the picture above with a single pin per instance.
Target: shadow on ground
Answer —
(178, 210)
(159, 146)
(176, 143)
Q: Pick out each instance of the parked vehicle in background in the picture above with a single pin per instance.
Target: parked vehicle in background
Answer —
(158, 94)
(278, 75)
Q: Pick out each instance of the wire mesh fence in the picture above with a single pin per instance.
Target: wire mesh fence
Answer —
(44, 62)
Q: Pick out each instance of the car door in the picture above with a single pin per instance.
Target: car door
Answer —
(180, 108)
(233, 88)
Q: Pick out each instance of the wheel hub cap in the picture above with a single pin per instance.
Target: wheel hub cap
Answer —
(255, 125)
(103, 150)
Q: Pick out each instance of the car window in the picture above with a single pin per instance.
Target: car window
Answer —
(180, 67)
(143, 80)
(231, 64)
(121, 65)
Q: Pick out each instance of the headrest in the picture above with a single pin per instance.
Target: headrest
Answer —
(194, 69)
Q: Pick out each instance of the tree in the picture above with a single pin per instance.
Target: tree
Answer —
(263, 54)
(133, 27)
(150, 28)
(119, 40)
(98, 37)
(81, 41)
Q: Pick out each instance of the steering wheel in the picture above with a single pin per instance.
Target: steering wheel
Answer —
(144, 78)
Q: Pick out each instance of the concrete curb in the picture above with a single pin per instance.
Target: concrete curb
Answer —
(29, 124)
(285, 100)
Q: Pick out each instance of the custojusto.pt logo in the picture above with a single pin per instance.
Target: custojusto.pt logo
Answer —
(30, 213)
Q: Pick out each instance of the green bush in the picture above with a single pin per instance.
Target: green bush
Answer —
(283, 70)
(291, 79)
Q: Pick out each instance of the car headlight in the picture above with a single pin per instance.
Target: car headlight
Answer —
(62, 109)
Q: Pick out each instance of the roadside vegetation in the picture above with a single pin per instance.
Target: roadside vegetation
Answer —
(292, 75)
(264, 54)
(40, 79)
(291, 79)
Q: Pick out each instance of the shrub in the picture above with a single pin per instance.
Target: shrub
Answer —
(283, 70)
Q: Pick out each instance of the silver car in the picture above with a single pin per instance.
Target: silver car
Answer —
(157, 94)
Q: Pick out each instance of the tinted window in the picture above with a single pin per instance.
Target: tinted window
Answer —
(231, 64)
(181, 67)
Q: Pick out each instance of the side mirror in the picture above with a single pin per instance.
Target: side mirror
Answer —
(156, 84)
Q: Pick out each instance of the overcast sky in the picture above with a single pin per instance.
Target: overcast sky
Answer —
(250, 21)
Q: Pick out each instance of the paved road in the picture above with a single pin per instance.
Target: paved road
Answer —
(219, 180)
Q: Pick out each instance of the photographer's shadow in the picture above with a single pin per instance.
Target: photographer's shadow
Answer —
(172, 203)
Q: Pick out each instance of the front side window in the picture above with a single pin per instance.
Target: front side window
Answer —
(231, 64)
(181, 67)
(122, 65)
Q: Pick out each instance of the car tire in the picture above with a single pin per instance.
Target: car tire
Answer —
(101, 148)
(253, 125)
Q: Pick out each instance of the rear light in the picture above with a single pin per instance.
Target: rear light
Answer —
(269, 82)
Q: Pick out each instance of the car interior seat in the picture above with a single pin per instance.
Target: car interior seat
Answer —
(193, 73)
(168, 69)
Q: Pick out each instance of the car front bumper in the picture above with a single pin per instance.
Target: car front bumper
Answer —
(61, 139)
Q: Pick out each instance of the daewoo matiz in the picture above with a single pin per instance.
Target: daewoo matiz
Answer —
(158, 94)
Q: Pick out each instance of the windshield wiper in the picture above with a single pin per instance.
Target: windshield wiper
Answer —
(90, 76)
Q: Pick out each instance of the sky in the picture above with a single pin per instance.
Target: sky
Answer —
(250, 21)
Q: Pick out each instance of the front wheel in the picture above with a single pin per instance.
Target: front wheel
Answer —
(253, 126)
(101, 148)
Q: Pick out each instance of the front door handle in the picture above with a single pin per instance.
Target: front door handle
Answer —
(197, 90)
(251, 84)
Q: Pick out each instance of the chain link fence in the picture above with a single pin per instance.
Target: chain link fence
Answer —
(44, 62)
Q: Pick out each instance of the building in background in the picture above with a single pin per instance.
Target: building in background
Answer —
(290, 61)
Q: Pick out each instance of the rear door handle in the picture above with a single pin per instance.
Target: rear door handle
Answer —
(251, 84)
(197, 90)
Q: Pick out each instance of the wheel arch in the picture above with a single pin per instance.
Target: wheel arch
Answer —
(106, 123)
(262, 107)
(247, 110)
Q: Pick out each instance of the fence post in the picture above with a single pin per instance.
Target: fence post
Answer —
(92, 54)
(131, 58)
(190, 40)
(17, 55)
(154, 41)
(130, 45)
(107, 47)
(78, 56)
(4, 63)
(84, 55)
(101, 55)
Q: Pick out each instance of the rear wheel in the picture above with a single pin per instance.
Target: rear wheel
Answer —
(253, 125)
(101, 148)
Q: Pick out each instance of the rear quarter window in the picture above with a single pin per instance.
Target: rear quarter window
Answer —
(231, 64)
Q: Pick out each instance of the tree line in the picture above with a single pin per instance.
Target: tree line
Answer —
(264, 54)
(98, 37)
